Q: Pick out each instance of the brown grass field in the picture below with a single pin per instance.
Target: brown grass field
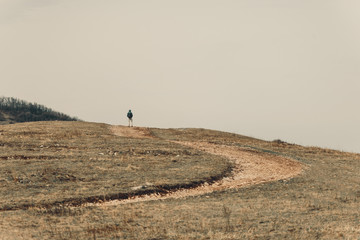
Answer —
(78, 180)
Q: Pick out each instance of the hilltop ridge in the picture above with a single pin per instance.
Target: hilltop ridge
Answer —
(81, 180)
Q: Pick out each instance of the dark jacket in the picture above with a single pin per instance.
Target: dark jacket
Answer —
(129, 115)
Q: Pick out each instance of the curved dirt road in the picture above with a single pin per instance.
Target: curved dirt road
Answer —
(251, 167)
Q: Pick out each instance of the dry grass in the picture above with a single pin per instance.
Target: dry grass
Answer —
(49, 163)
(321, 203)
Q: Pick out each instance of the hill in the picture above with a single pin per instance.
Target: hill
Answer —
(13, 110)
(78, 180)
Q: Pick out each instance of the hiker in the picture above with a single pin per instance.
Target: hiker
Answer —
(130, 116)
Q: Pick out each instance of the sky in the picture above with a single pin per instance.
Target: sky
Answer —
(270, 69)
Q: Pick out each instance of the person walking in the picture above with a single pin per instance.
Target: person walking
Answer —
(130, 116)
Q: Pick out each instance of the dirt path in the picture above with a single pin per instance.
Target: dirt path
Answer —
(251, 167)
(134, 132)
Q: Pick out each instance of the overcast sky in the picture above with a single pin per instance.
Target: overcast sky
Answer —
(271, 69)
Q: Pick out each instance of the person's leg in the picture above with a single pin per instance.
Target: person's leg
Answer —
(132, 123)
(129, 122)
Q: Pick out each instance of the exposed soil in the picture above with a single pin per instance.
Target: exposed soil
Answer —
(251, 167)
(133, 132)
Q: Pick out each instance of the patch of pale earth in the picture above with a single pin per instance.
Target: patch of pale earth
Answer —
(250, 167)
(132, 132)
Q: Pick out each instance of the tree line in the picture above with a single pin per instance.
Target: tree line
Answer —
(17, 110)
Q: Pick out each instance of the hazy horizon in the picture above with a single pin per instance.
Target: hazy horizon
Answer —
(270, 69)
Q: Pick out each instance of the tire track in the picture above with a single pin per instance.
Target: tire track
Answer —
(251, 167)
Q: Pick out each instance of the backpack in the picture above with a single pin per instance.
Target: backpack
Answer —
(130, 115)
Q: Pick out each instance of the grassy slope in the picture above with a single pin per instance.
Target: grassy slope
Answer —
(47, 163)
(322, 203)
